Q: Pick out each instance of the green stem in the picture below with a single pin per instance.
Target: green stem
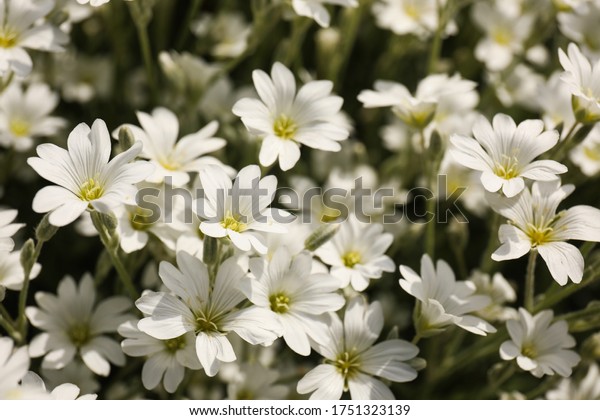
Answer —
(563, 146)
(141, 24)
(590, 311)
(436, 45)
(530, 281)
(349, 30)
(185, 28)
(8, 323)
(22, 319)
(112, 249)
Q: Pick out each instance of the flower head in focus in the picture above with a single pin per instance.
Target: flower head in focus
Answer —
(353, 360)
(540, 346)
(287, 119)
(85, 177)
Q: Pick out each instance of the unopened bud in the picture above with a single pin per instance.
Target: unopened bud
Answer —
(417, 363)
(28, 255)
(210, 253)
(436, 145)
(109, 221)
(323, 234)
(45, 230)
(126, 139)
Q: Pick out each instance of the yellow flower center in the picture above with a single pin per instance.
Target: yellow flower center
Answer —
(347, 364)
(8, 38)
(79, 334)
(170, 164)
(529, 350)
(284, 127)
(508, 168)
(205, 324)
(280, 303)
(91, 190)
(173, 345)
(592, 152)
(351, 258)
(502, 36)
(230, 222)
(538, 235)
(19, 127)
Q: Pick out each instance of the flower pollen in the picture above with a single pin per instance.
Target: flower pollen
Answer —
(91, 190)
(508, 169)
(231, 223)
(19, 127)
(351, 258)
(173, 345)
(8, 39)
(347, 364)
(79, 334)
(284, 127)
(280, 303)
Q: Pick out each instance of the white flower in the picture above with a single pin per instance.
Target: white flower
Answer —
(94, 3)
(580, 24)
(287, 120)
(24, 115)
(539, 347)
(211, 313)
(586, 154)
(75, 373)
(587, 388)
(83, 78)
(535, 224)
(419, 17)
(238, 210)
(33, 387)
(165, 358)
(352, 358)
(506, 34)
(85, 177)
(285, 286)
(74, 324)
(554, 98)
(11, 270)
(500, 293)
(316, 10)
(8, 229)
(173, 159)
(504, 153)
(583, 79)
(444, 301)
(19, 30)
(228, 33)
(356, 253)
(14, 364)
(419, 110)
(188, 73)
(253, 381)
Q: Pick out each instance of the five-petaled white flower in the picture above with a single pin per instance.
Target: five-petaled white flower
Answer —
(538, 346)
(287, 120)
(238, 210)
(352, 358)
(298, 298)
(583, 79)
(85, 177)
(210, 312)
(315, 9)
(504, 153)
(74, 324)
(19, 29)
(173, 159)
(165, 358)
(444, 301)
(356, 253)
(24, 115)
(535, 224)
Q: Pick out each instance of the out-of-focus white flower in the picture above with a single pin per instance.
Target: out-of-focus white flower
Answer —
(33, 387)
(73, 324)
(419, 17)
(444, 301)
(82, 78)
(95, 3)
(253, 381)
(580, 24)
(535, 224)
(210, 312)
(75, 373)
(24, 115)
(315, 9)
(505, 34)
(454, 178)
(586, 155)
(583, 79)
(554, 99)
(587, 388)
(8, 229)
(14, 364)
(11, 270)
(500, 293)
(540, 348)
(286, 119)
(353, 359)
(238, 210)
(518, 87)
(419, 110)
(356, 253)
(188, 73)
(285, 286)
(166, 359)
(19, 31)
(504, 153)
(228, 32)
(173, 159)
(85, 177)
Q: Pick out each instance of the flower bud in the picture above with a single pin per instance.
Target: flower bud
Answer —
(28, 255)
(45, 230)
(320, 236)
(210, 253)
(126, 139)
